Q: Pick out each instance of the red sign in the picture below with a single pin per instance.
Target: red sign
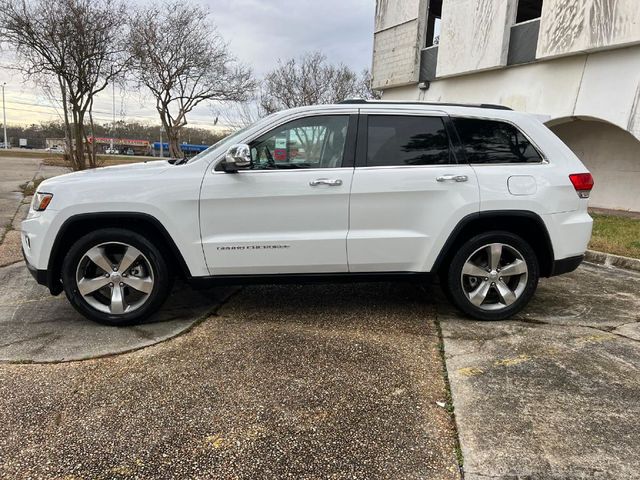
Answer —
(280, 154)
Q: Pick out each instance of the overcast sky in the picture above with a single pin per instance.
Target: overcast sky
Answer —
(259, 33)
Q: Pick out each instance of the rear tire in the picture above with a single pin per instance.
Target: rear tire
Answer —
(492, 276)
(115, 277)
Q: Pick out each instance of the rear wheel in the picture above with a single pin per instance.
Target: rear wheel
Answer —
(115, 276)
(492, 276)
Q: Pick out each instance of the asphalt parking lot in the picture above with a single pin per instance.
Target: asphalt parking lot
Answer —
(283, 382)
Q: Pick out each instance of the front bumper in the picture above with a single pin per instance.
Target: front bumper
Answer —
(40, 275)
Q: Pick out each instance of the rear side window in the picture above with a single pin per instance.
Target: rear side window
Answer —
(490, 141)
(394, 140)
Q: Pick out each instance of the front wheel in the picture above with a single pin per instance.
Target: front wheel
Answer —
(115, 276)
(493, 276)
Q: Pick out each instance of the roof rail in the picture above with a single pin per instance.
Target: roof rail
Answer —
(360, 101)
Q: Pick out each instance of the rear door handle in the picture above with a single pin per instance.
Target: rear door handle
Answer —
(335, 182)
(452, 178)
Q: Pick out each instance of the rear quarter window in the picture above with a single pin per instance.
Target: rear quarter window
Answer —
(493, 141)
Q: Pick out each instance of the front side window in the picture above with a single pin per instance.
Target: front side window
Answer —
(313, 142)
(395, 140)
(490, 141)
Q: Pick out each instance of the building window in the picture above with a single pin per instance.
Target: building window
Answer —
(528, 10)
(433, 22)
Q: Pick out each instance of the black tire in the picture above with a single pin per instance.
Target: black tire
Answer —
(454, 285)
(162, 279)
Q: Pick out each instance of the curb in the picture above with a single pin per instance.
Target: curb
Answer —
(610, 260)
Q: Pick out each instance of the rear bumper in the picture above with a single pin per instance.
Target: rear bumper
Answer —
(566, 265)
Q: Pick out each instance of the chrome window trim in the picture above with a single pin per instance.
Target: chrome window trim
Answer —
(403, 167)
(280, 170)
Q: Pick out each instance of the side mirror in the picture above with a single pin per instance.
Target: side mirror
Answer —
(237, 157)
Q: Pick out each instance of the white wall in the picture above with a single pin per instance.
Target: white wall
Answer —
(390, 13)
(571, 26)
(613, 157)
(474, 35)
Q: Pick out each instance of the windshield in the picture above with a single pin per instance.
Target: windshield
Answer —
(228, 140)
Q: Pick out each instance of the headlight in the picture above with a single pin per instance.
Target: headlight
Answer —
(41, 201)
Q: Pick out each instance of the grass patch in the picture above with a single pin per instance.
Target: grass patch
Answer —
(449, 398)
(616, 234)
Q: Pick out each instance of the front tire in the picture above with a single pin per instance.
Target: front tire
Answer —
(115, 277)
(492, 276)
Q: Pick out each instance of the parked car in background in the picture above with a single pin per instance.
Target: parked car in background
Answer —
(54, 149)
(488, 199)
(112, 151)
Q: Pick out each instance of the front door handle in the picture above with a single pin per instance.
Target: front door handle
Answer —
(336, 182)
(452, 178)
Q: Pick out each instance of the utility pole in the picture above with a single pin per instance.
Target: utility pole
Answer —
(161, 149)
(4, 115)
(113, 120)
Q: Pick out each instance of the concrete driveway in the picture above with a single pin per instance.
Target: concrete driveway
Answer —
(556, 393)
(36, 327)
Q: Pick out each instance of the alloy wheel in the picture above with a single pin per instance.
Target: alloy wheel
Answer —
(115, 278)
(494, 276)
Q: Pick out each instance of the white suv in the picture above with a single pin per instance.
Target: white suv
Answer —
(487, 198)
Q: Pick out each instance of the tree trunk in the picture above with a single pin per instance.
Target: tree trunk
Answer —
(78, 136)
(93, 163)
(68, 143)
(174, 144)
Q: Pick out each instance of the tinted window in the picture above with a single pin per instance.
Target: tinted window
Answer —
(313, 142)
(489, 141)
(398, 140)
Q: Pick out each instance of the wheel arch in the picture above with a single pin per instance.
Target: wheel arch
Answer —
(81, 224)
(523, 223)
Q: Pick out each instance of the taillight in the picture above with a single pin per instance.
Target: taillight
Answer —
(583, 183)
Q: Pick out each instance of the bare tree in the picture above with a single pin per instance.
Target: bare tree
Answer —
(182, 59)
(75, 45)
(312, 80)
(237, 115)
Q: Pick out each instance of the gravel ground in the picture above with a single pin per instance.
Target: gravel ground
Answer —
(285, 382)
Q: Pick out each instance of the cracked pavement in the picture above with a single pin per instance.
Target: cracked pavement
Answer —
(37, 327)
(554, 394)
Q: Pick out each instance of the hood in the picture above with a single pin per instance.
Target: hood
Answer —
(114, 173)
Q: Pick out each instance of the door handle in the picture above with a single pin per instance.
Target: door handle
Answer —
(336, 182)
(452, 178)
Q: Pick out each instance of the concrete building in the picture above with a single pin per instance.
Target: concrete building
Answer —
(575, 62)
